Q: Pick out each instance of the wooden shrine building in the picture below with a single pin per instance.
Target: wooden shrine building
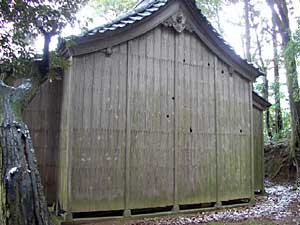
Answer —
(155, 113)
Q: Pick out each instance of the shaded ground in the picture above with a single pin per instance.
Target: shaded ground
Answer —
(279, 206)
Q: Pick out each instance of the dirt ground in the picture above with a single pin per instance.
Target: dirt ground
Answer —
(280, 205)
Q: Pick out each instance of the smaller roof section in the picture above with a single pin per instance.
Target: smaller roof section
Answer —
(259, 102)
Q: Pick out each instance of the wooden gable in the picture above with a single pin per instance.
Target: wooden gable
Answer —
(180, 14)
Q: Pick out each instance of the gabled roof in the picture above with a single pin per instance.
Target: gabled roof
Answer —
(138, 13)
(259, 102)
(147, 15)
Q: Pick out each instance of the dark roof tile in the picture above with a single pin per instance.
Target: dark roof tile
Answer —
(139, 12)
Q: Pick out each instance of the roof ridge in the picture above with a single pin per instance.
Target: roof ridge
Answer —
(138, 12)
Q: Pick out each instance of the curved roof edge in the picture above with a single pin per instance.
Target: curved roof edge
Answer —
(259, 102)
(145, 11)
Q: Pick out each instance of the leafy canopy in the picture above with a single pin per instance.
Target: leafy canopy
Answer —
(297, 40)
(109, 9)
(21, 21)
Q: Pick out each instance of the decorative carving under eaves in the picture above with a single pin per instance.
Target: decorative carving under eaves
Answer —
(178, 22)
(231, 70)
(108, 51)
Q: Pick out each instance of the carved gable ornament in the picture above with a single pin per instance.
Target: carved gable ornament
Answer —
(178, 22)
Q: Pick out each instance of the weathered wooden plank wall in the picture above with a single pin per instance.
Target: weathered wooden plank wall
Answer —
(43, 118)
(233, 134)
(161, 121)
(65, 137)
(258, 149)
(98, 122)
(195, 113)
(151, 74)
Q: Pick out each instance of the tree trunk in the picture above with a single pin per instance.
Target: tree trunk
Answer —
(247, 29)
(265, 93)
(293, 90)
(293, 86)
(22, 199)
(281, 17)
(278, 114)
(265, 90)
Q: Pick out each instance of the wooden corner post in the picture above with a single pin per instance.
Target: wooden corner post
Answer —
(127, 212)
(175, 172)
(218, 203)
(252, 198)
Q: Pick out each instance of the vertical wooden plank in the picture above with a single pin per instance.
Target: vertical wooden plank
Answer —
(251, 142)
(217, 177)
(258, 146)
(195, 112)
(261, 154)
(78, 159)
(128, 132)
(261, 145)
(98, 147)
(233, 135)
(211, 131)
(88, 120)
(151, 154)
(176, 125)
(70, 136)
(178, 103)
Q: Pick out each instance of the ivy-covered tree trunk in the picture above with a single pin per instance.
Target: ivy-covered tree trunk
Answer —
(281, 18)
(22, 199)
(293, 86)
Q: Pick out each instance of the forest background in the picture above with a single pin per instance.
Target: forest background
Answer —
(265, 32)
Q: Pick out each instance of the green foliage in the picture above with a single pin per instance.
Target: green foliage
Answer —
(285, 132)
(258, 87)
(296, 41)
(57, 65)
(290, 51)
(58, 61)
(286, 118)
(109, 9)
(211, 9)
(21, 21)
